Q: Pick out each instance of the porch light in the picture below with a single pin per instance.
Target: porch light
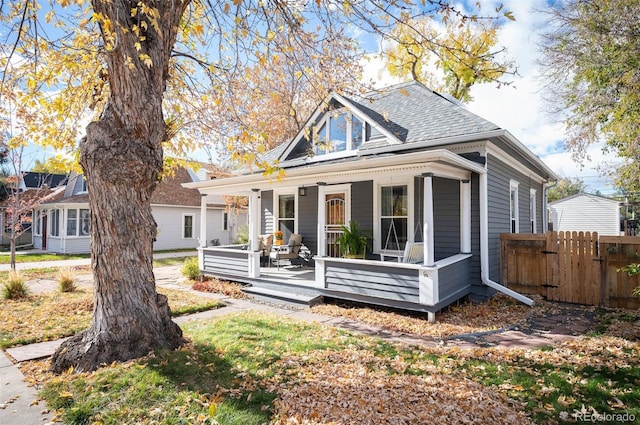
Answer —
(302, 191)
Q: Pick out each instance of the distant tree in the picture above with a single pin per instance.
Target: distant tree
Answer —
(590, 62)
(18, 204)
(464, 54)
(566, 187)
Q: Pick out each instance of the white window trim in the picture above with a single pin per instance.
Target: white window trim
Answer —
(533, 210)
(193, 225)
(50, 223)
(276, 207)
(66, 222)
(377, 237)
(513, 188)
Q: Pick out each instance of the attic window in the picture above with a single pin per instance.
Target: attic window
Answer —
(340, 131)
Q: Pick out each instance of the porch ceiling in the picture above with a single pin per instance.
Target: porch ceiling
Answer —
(440, 162)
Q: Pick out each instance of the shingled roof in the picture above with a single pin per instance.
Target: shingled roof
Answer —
(414, 113)
(168, 192)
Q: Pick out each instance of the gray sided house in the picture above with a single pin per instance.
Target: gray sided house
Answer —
(410, 166)
(62, 225)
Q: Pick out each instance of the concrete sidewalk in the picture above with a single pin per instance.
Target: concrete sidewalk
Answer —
(85, 261)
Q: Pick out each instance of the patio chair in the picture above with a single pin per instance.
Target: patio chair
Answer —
(287, 252)
(266, 241)
(413, 253)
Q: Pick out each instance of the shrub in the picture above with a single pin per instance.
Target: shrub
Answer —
(242, 237)
(15, 287)
(191, 269)
(66, 279)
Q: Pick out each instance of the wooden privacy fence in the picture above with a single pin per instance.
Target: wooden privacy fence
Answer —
(575, 267)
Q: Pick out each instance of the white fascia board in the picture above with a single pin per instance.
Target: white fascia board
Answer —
(526, 152)
(440, 161)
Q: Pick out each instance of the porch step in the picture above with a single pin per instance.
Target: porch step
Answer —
(281, 297)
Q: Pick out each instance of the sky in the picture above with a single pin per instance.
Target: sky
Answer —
(519, 108)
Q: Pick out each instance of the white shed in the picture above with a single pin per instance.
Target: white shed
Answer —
(586, 213)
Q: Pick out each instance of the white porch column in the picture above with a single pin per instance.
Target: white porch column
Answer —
(465, 216)
(254, 231)
(254, 219)
(428, 227)
(322, 222)
(203, 220)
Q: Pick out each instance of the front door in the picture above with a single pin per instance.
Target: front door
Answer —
(336, 214)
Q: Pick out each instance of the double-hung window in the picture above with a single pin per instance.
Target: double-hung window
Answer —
(532, 210)
(286, 214)
(513, 207)
(394, 217)
(341, 131)
(36, 222)
(72, 222)
(55, 223)
(187, 226)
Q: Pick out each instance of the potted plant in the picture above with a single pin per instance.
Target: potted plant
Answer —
(352, 241)
(278, 235)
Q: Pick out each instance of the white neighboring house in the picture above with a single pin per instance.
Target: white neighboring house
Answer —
(586, 213)
(62, 224)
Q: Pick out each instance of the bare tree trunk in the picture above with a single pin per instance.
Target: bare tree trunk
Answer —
(12, 247)
(122, 157)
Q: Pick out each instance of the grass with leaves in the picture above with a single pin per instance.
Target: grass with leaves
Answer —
(255, 368)
(50, 316)
(31, 258)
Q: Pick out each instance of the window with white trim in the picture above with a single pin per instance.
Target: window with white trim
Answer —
(187, 226)
(54, 228)
(340, 131)
(532, 210)
(286, 214)
(78, 222)
(394, 217)
(513, 207)
(37, 225)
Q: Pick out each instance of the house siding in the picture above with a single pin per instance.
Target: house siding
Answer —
(227, 263)
(169, 221)
(375, 281)
(266, 223)
(362, 206)
(499, 177)
(454, 280)
(308, 219)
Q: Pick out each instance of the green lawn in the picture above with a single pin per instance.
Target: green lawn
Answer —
(253, 368)
(31, 258)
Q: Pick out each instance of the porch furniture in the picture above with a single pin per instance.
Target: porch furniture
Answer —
(265, 244)
(413, 253)
(286, 252)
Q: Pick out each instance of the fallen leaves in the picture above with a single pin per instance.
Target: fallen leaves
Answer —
(230, 289)
(342, 387)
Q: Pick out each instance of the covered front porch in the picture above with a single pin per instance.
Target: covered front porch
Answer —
(422, 197)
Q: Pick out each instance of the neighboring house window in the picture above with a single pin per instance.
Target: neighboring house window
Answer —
(187, 226)
(341, 131)
(286, 220)
(72, 222)
(513, 206)
(532, 210)
(225, 221)
(78, 222)
(83, 185)
(36, 222)
(84, 222)
(394, 217)
(55, 223)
